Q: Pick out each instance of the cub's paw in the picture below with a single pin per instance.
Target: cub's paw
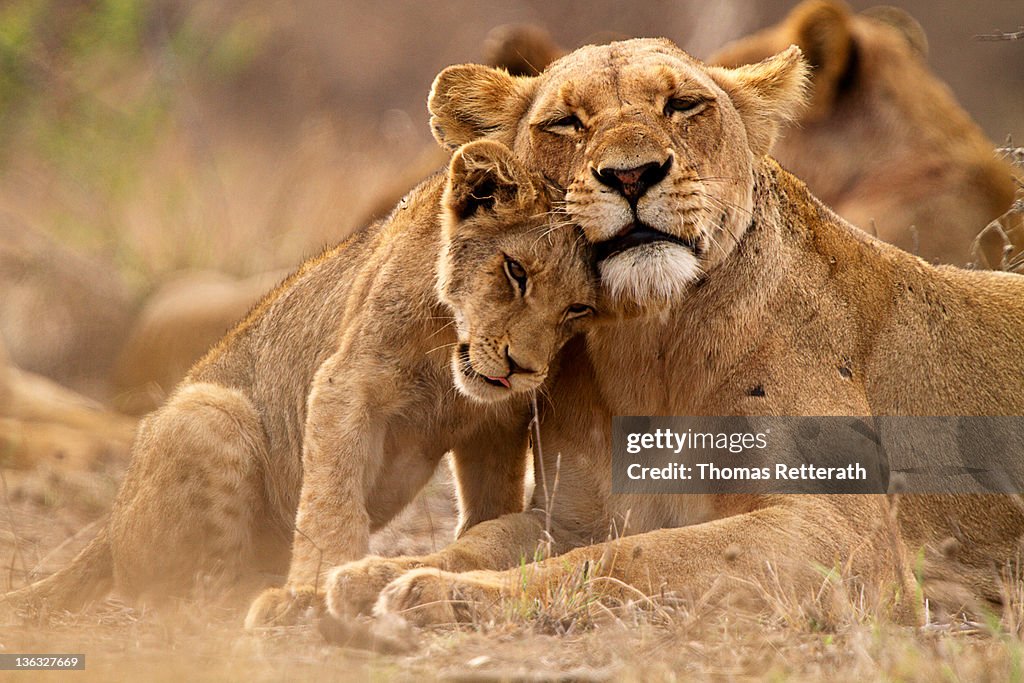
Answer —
(352, 588)
(427, 597)
(286, 606)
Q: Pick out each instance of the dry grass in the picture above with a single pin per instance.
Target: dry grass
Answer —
(1000, 246)
(574, 633)
(634, 644)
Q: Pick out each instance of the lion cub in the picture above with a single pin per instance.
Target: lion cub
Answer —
(324, 412)
(391, 401)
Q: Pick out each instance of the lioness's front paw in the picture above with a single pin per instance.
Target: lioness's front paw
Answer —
(286, 606)
(430, 596)
(352, 588)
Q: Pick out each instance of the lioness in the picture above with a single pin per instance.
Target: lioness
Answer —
(340, 386)
(760, 300)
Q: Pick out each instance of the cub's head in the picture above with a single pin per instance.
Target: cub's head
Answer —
(656, 150)
(515, 272)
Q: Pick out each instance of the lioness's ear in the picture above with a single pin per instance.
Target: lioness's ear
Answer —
(821, 28)
(766, 95)
(483, 175)
(470, 101)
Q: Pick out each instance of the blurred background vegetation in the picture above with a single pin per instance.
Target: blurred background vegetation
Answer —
(241, 136)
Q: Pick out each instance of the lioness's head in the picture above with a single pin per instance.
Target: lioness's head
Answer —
(516, 273)
(656, 150)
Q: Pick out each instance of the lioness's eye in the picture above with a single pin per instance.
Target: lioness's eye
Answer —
(684, 105)
(516, 275)
(578, 311)
(566, 124)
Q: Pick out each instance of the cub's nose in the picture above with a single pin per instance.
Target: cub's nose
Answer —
(514, 366)
(632, 183)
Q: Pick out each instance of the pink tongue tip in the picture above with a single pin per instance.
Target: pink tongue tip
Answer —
(502, 380)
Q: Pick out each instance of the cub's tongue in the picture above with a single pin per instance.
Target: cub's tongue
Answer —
(500, 380)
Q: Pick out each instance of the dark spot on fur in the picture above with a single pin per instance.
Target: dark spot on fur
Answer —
(211, 530)
(731, 552)
(845, 371)
(198, 500)
(756, 391)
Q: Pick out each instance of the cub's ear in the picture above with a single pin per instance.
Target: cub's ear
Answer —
(821, 28)
(484, 175)
(766, 95)
(521, 49)
(470, 101)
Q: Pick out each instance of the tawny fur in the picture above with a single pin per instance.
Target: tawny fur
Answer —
(320, 416)
(819, 317)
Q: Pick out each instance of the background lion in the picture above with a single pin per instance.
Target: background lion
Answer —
(883, 141)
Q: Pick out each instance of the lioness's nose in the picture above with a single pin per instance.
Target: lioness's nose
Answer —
(632, 183)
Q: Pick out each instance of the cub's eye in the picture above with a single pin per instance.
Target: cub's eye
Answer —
(578, 311)
(565, 125)
(684, 105)
(516, 275)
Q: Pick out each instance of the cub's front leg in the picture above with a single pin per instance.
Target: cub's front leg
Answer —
(343, 448)
(490, 470)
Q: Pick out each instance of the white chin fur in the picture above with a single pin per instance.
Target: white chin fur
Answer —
(650, 273)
